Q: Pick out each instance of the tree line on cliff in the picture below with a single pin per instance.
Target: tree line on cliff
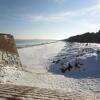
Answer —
(88, 37)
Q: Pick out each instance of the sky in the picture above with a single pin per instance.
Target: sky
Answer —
(49, 19)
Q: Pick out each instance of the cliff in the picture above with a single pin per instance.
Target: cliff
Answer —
(8, 52)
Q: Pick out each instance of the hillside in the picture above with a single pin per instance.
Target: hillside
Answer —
(88, 37)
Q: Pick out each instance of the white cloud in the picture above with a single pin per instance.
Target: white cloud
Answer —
(52, 17)
(58, 1)
(98, 1)
(45, 18)
(90, 11)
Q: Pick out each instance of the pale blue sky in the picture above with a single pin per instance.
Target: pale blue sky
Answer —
(49, 19)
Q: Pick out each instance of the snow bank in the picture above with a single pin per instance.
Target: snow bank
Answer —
(86, 57)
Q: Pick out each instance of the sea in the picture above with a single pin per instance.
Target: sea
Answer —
(32, 42)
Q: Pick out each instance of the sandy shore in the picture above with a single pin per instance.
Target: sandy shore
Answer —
(13, 92)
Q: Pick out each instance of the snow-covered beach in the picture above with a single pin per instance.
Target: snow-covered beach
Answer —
(42, 67)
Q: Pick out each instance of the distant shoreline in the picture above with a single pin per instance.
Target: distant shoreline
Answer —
(26, 46)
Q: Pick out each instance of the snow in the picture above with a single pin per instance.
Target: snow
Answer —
(41, 67)
(39, 56)
(9, 74)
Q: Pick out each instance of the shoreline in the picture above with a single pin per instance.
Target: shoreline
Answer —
(26, 46)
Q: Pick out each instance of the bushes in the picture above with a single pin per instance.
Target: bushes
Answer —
(86, 38)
